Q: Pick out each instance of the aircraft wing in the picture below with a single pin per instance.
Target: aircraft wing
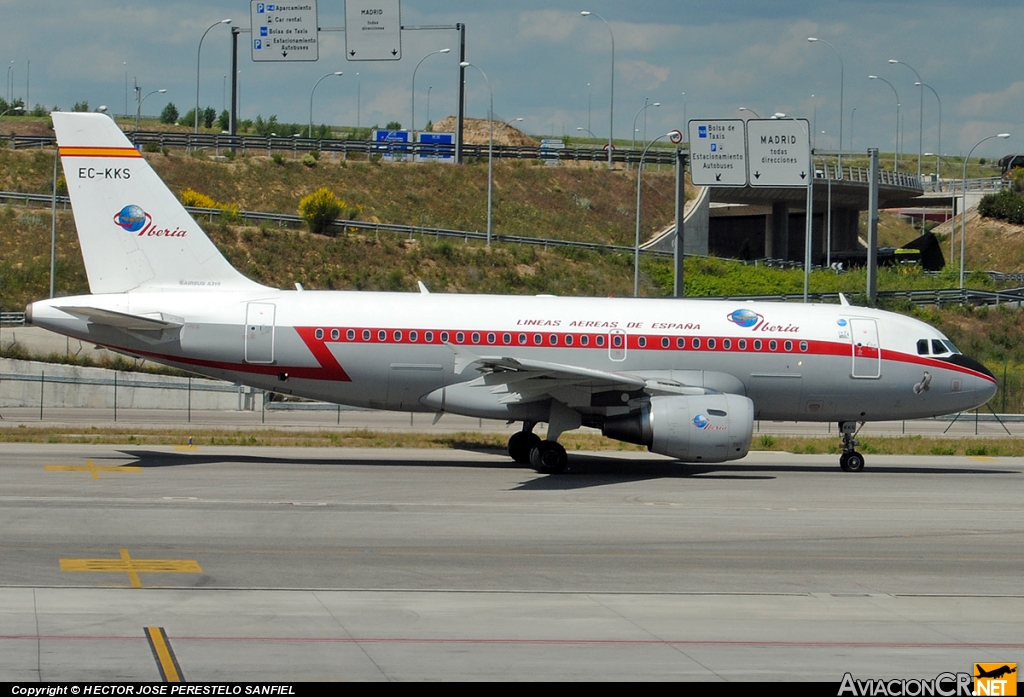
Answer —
(527, 380)
(120, 320)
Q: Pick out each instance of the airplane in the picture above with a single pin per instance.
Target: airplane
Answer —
(687, 378)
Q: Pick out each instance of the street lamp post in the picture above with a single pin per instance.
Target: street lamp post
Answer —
(13, 108)
(198, 54)
(938, 150)
(743, 108)
(920, 113)
(636, 248)
(644, 108)
(963, 206)
(138, 107)
(412, 123)
(611, 107)
(896, 156)
(490, 148)
(842, 88)
(339, 73)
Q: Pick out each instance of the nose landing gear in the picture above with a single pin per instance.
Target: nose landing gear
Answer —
(850, 460)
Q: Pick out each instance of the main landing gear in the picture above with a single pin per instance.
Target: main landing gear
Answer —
(850, 460)
(545, 456)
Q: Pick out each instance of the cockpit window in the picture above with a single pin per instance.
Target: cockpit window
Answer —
(949, 344)
(938, 347)
(922, 347)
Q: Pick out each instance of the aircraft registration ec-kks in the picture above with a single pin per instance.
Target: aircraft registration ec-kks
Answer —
(686, 378)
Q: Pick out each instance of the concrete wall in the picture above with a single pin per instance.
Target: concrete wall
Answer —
(24, 383)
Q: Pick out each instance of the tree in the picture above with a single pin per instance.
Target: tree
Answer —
(394, 126)
(208, 116)
(80, 106)
(188, 119)
(224, 120)
(169, 114)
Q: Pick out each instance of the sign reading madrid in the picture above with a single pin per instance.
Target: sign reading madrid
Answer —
(284, 31)
(780, 152)
(718, 152)
(373, 30)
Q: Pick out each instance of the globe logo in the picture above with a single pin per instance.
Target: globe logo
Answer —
(700, 421)
(131, 218)
(841, 322)
(744, 318)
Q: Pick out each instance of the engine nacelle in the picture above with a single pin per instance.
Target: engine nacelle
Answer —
(700, 428)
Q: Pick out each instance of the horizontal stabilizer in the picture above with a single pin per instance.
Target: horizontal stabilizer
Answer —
(109, 318)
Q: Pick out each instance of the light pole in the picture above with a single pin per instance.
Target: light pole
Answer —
(198, 54)
(896, 156)
(138, 107)
(490, 148)
(743, 108)
(636, 248)
(938, 150)
(412, 123)
(611, 107)
(339, 73)
(853, 113)
(429, 88)
(644, 108)
(963, 206)
(510, 122)
(920, 113)
(592, 135)
(842, 88)
(13, 108)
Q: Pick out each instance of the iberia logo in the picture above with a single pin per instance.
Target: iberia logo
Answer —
(749, 319)
(995, 679)
(701, 421)
(133, 219)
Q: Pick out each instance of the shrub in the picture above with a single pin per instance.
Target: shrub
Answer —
(320, 209)
(278, 159)
(190, 197)
(309, 160)
(1006, 205)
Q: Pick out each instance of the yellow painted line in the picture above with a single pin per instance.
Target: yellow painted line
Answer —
(132, 567)
(166, 661)
(186, 448)
(99, 152)
(982, 458)
(91, 468)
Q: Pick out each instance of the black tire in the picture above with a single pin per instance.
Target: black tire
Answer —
(520, 445)
(548, 457)
(851, 462)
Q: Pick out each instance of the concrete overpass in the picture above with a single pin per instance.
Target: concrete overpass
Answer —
(755, 223)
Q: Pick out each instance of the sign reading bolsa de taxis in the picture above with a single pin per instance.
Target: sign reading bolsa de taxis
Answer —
(718, 152)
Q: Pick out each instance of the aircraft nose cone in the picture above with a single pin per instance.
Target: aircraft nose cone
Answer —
(967, 362)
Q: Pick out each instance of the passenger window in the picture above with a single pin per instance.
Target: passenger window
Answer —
(319, 333)
(727, 344)
(711, 343)
(696, 343)
(743, 344)
(599, 340)
(382, 335)
(429, 336)
(642, 341)
(681, 342)
(413, 336)
(351, 334)
(584, 340)
(568, 339)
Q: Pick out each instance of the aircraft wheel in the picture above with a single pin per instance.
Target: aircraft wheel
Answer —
(851, 462)
(548, 457)
(521, 444)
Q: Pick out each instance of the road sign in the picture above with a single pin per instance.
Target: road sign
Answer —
(676, 137)
(780, 152)
(718, 152)
(284, 32)
(436, 147)
(373, 30)
(550, 149)
(393, 145)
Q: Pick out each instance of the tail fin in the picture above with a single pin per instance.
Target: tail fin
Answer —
(134, 233)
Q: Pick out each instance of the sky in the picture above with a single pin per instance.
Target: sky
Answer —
(552, 67)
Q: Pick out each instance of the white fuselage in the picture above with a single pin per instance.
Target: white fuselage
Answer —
(403, 351)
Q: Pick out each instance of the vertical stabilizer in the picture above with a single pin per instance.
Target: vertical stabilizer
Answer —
(134, 233)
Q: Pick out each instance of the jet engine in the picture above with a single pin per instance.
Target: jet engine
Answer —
(697, 428)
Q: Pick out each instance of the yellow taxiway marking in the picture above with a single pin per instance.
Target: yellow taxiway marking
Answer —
(982, 458)
(186, 448)
(166, 661)
(132, 567)
(91, 468)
